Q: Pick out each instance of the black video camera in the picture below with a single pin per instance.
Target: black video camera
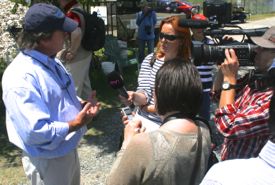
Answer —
(215, 54)
(245, 49)
(219, 15)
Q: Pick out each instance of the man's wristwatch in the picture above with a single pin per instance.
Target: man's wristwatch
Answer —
(227, 86)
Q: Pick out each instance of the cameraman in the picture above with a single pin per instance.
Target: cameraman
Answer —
(242, 119)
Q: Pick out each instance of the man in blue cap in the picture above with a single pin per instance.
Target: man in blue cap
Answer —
(44, 117)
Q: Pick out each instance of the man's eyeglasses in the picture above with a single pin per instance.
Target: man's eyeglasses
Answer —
(169, 37)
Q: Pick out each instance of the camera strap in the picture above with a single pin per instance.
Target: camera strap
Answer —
(260, 81)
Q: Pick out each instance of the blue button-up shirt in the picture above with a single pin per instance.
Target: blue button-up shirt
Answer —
(39, 101)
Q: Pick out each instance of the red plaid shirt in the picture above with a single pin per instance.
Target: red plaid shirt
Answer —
(244, 124)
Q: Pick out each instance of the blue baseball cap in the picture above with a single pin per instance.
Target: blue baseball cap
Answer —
(42, 17)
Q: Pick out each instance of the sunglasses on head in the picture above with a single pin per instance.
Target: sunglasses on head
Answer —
(168, 37)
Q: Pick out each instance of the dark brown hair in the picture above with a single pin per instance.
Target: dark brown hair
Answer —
(29, 40)
(178, 88)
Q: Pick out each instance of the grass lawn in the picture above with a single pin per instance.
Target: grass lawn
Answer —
(11, 171)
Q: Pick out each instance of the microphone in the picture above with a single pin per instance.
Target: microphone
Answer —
(115, 80)
(189, 23)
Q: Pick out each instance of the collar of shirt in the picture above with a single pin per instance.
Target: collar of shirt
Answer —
(38, 56)
(268, 154)
(50, 63)
(45, 60)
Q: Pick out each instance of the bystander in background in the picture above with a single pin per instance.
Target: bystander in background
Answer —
(76, 59)
(146, 21)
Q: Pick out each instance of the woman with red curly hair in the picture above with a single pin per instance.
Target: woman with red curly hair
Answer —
(174, 42)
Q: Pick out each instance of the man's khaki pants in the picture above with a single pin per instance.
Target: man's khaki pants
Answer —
(57, 171)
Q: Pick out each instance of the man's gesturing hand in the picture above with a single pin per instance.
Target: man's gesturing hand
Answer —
(84, 116)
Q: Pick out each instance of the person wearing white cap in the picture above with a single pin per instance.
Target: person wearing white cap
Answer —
(44, 117)
(242, 118)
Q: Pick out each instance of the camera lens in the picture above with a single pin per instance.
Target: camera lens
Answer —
(203, 53)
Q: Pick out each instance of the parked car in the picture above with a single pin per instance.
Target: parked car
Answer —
(179, 7)
(161, 5)
(239, 14)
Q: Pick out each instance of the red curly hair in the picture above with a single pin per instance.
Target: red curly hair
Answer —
(184, 51)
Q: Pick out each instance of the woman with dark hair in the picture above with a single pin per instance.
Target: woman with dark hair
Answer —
(174, 41)
(177, 152)
(174, 89)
